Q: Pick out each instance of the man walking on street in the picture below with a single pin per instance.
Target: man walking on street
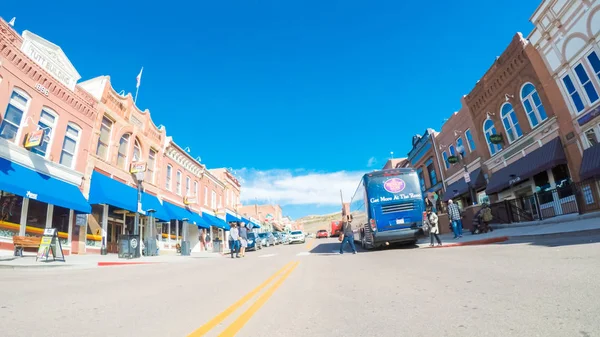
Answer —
(454, 215)
(348, 235)
(234, 241)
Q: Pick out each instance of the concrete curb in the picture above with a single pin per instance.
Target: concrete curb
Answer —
(119, 263)
(474, 242)
(561, 234)
(34, 266)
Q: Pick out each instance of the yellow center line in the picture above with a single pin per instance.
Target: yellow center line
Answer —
(223, 315)
(239, 323)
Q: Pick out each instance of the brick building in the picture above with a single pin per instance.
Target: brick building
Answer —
(422, 157)
(457, 133)
(519, 119)
(46, 123)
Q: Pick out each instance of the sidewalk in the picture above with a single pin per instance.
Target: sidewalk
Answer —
(7, 261)
(504, 232)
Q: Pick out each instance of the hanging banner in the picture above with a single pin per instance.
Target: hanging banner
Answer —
(34, 139)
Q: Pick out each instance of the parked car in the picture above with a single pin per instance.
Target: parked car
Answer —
(277, 238)
(322, 233)
(284, 237)
(254, 242)
(297, 236)
(268, 239)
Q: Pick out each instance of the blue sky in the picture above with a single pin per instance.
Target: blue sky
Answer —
(300, 97)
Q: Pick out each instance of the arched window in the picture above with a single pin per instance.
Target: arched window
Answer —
(533, 105)
(123, 147)
(452, 151)
(446, 163)
(460, 146)
(489, 129)
(68, 155)
(16, 109)
(169, 177)
(178, 182)
(137, 150)
(47, 122)
(511, 123)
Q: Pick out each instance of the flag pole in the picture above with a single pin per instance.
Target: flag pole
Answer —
(136, 93)
(137, 86)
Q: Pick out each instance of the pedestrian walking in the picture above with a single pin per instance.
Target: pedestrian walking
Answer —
(347, 235)
(434, 229)
(234, 241)
(455, 218)
(203, 240)
(243, 238)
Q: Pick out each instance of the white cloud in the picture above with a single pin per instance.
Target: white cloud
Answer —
(372, 161)
(297, 187)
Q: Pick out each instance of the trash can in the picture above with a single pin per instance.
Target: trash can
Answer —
(217, 246)
(150, 247)
(185, 248)
(129, 246)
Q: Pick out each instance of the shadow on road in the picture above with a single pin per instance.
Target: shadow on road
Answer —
(333, 248)
(557, 240)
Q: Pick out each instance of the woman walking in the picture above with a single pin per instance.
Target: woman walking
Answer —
(435, 229)
(243, 238)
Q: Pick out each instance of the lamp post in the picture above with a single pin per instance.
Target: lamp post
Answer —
(467, 177)
(185, 244)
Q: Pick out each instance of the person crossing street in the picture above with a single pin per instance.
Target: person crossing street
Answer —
(347, 235)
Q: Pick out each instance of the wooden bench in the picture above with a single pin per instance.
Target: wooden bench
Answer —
(22, 242)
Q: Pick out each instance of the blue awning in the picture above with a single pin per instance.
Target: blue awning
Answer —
(252, 224)
(20, 180)
(255, 224)
(104, 190)
(180, 213)
(231, 218)
(217, 222)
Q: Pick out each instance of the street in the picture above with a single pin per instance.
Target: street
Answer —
(531, 287)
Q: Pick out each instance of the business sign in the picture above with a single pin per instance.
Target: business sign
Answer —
(34, 139)
(138, 167)
(467, 177)
(81, 219)
(453, 159)
(394, 185)
(190, 200)
(496, 139)
(50, 245)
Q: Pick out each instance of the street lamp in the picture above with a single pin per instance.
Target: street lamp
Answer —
(467, 176)
(185, 244)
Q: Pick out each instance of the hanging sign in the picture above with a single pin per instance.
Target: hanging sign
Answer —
(34, 138)
(467, 177)
(496, 139)
(189, 200)
(453, 159)
(137, 167)
(50, 245)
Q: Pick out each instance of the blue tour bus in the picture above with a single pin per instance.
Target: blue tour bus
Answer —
(387, 208)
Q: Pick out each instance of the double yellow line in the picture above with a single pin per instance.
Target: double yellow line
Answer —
(239, 323)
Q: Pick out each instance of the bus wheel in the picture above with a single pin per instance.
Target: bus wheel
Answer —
(363, 244)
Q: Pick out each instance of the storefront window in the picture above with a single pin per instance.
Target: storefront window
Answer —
(60, 219)
(10, 214)
(563, 181)
(36, 217)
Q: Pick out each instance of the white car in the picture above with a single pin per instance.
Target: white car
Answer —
(297, 236)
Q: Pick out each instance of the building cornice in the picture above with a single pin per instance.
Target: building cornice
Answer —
(177, 155)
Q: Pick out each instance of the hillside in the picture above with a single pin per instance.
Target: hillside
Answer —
(313, 223)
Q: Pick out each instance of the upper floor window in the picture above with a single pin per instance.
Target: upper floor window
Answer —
(431, 171)
(586, 83)
(595, 63)
(421, 179)
(151, 164)
(17, 106)
(47, 123)
(122, 153)
(220, 201)
(188, 183)
(573, 93)
(452, 150)
(533, 105)
(213, 200)
(511, 123)
(591, 137)
(460, 146)
(446, 163)
(488, 130)
(470, 140)
(178, 182)
(69, 149)
(168, 184)
(137, 150)
(226, 197)
(104, 140)
(196, 191)
(205, 196)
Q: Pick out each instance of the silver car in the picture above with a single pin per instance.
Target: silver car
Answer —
(297, 236)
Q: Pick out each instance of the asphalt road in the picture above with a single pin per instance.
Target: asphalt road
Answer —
(545, 287)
